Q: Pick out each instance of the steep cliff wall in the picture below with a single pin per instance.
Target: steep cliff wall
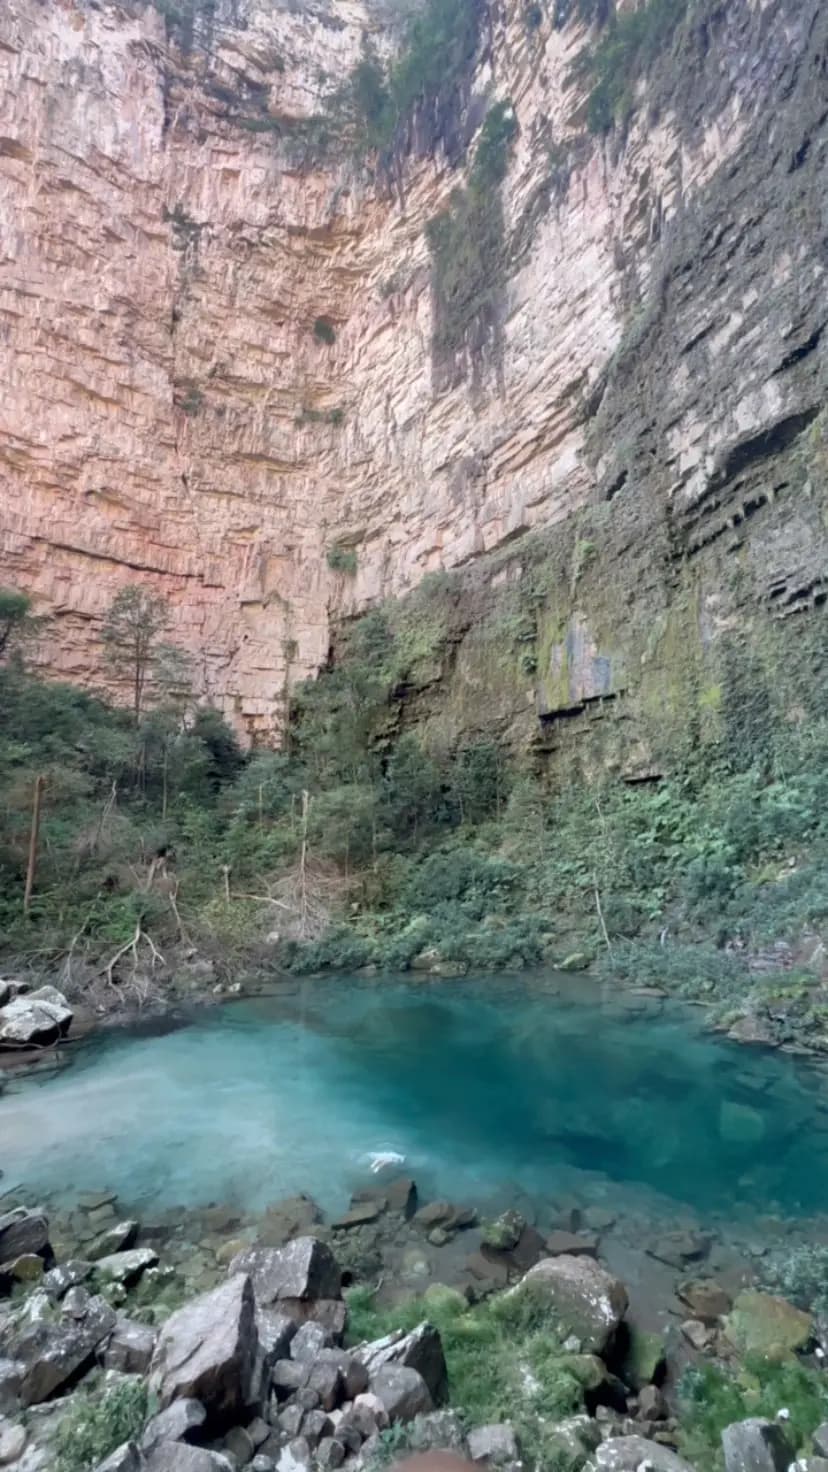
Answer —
(652, 385)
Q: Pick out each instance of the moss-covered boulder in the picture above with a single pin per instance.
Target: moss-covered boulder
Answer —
(760, 1323)
(582, 1298)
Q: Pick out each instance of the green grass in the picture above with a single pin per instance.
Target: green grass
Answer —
(504, 1357)
(711, 1399)
(97, 1424)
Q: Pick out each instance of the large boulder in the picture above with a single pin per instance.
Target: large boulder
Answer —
(420, 1350)
(756, 1445)
(36, 1020)
(209, 1351)
(175, 1423)
(582, 1297)
(301, 1270)
(402, 1392)
(23, 1231)
(494, 1445)
(631, 1453)
(759, 1322)
(55, 1351)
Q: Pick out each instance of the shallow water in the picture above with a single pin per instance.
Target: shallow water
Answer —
(484, 1087)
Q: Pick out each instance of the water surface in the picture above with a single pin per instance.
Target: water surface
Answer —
(484, 1086)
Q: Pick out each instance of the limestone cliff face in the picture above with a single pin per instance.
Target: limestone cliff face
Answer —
(169, 414)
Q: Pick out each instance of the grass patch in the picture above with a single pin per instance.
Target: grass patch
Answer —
(504, 1357)
(712, 1399)
(94, 1427)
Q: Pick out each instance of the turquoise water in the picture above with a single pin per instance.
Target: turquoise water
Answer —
(483, 1087)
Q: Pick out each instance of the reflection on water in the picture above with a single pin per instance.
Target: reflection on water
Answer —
(476, 1083)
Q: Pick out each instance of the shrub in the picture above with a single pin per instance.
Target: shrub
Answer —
(94, 1427)
(342, 559)
(324, 331)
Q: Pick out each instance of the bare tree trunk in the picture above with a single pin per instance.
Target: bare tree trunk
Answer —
(164, 769)
(303, 856)
(31, 867)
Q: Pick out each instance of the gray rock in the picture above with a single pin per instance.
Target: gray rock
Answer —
(76, 1302)
(307, 1342)
(652, 1404)
(294, 1457)
(330, 1453)
(326, 1380)
(174, 1423)
(291, 1418)
(54, 1352)
(13, 1438)
(276, 1333)
(125, 1267)
(130, 1347)
(756, 1445)
(239, 1444)
(420, 1350)
(114, 1239)
(583, 1298)
(66, 1275)
(258, 1431)
(571, 1244)
(402, 1392)
(676, 1249)
(11, 1379)
(575, 1437)
(811, 1464)
(286, 1376)
(176, 1456)
(401, 1196)
(262, 1464)
(626, 1454)
(208, 1350)
(355, 1377)
(41, 1017)
(23, 1231)
(820, 1440)
(126, 1458)
(308, 1398)
(316, 1425)
(303, 1269)
(493, 1444)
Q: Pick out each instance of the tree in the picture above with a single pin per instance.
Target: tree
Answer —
(131, 630)
(16, 620)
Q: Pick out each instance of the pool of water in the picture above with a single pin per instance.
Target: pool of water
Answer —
(484, 1087)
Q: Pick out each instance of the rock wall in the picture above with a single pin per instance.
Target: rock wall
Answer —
(170, 415)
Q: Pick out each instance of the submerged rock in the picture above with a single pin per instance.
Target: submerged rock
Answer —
(208, 1351)
(126, 1267)
(583, 1298)
(756, 1445)
(759, 1322)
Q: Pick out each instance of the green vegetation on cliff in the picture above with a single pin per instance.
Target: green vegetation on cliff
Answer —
(380, 839)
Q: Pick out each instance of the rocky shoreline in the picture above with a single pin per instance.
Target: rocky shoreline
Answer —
(233, 1340)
